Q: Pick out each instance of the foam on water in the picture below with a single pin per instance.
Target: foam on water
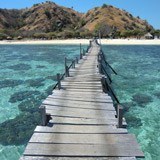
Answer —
(137, 86)
(28, 74)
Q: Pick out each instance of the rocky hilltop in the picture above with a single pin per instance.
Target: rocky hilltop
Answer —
(50, 20)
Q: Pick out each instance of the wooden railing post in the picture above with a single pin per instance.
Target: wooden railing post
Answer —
(43, 115)
(66, 68)
(77, 60)
(83, 52)
(104, 84)
(81, 56)
(65, 62)
(67, 71)
(73, 64)
(87, 49)
(100, 63)
(80, 52)
(90, 43)
(120, 116)
(59, 81)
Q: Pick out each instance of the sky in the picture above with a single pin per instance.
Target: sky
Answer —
(145, 9)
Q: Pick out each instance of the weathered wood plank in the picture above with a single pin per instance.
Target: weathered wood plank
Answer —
(121, 140)
(76, 158)
(82, 121)
(92, 114)
(90, 129)
(82, 150)
(81, 88)
(81, 110)
(84, 90)
(77, 108)
(74, 102)
(80, 99)
(102, 94)
(97, 106)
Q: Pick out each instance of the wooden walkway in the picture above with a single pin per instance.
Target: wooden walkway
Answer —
(83, 124)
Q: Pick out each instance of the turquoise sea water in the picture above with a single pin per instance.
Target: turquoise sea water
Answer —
(28, 73)
(27, 76)
(137, 86)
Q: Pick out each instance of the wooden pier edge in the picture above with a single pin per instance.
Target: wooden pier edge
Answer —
(79, 120)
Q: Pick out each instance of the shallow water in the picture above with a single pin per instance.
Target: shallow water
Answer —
(28, 74)
(137, 86)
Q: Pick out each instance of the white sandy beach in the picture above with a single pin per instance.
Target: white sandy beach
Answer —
(86, 41)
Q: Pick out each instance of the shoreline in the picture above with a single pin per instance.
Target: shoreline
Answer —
(82, 41)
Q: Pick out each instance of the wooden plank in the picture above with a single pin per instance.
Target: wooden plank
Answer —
(81, 88)
(92, 139)
(97, 106)
(81, 121)
(71, 102)
(79, 111)
(90, 129)
(112, 150)
(52, 107)
(80, 99)
(84, 90)
(96, 77)
(82, 79)
(75, 158)
(102, 94)
(92, 114)
(82, 85)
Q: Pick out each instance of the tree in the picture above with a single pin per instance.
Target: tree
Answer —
(104, 6)
(132, 33)
(3, 36)
(104, 29)
(48, 14)
(156, 33)
(40, 35)
(86, 34)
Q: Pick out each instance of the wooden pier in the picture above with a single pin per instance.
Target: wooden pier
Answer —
(84, 123)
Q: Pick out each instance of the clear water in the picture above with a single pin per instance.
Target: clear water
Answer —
(27, 76)
(137, 86)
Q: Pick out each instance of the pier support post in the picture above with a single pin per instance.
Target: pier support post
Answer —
(120, 116)
(43, 115)
(59, 81)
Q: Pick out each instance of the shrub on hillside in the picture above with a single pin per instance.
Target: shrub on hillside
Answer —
(3, 36)
(104, 6)
(48, 14)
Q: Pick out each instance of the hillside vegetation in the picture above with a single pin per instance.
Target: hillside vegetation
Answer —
(49, 20)
(108, 18)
